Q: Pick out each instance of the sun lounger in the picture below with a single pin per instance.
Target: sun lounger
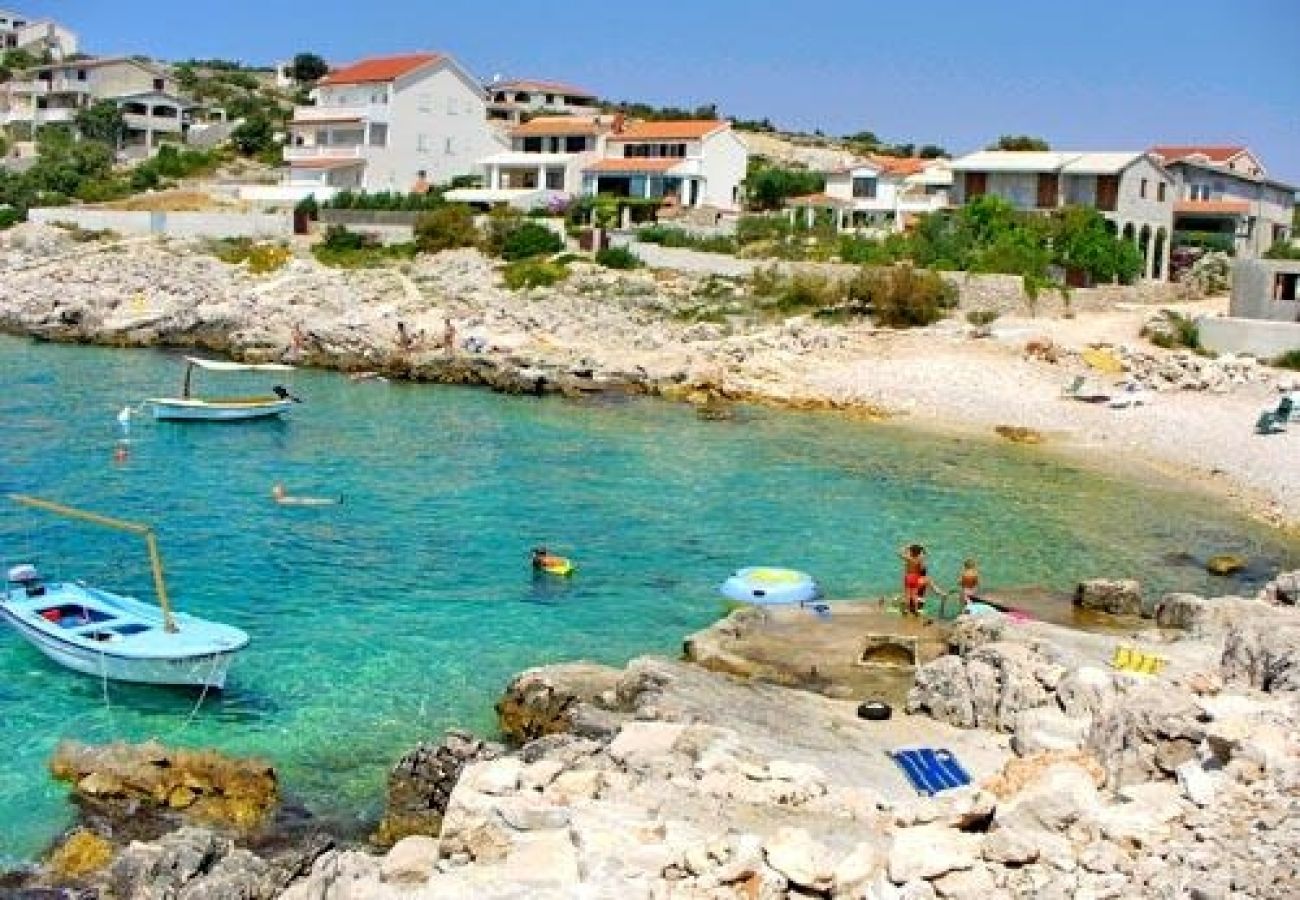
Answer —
(1082, 389)
(931, 771)
(1137, 662)
(1274, 421)
(1132, 395)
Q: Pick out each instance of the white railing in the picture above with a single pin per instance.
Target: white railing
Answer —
(366, 112)
(157, 123)
(325, 151)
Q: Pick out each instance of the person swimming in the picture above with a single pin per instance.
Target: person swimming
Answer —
(281, 496)
(542, 559)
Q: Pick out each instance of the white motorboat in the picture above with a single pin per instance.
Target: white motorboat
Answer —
(223, 409)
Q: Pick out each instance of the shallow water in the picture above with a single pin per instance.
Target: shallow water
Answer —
(404, 611)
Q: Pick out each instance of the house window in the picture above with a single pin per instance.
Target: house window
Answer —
(550, 98)
(81, 74)
(555, 179)
(864, 188)
(447, 147)
(532, 145)
(421, 143)
(451, 106)
(1160, 192)
(378, 134)
(1142, 189)
(575, 144)
(158, 84)
(426, 103)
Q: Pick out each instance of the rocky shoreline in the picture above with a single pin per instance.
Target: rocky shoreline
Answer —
(669, 334)
(667, 780)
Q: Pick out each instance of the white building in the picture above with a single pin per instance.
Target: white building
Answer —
(391, 123)
(147, 95)
(698, 163)
(545, 161)
(36, 36)
(1226, 191)
(880, 193)
(1132, 190)
(512, 100)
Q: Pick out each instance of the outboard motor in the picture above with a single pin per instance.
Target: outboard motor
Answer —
(283, 393)
(28, 578)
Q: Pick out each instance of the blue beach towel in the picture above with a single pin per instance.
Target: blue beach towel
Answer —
(931, 771)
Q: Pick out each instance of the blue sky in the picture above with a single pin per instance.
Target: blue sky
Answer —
(1103, 74)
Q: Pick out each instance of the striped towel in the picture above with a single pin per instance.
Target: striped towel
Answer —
(931, 771)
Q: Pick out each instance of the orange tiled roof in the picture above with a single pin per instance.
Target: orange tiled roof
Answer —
(380, 68)
(680, 130)
(1213, 207)
(1220, 155)
(556, 126)
(900, 165)
(633, 165)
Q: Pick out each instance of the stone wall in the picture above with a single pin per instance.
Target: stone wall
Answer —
(171, 224)
(1258, 337)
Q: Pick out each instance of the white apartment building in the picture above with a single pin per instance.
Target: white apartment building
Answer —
(880, 193)
(389, 123)
(697, 163)
(146, 93)
(512, 100)
(1132, 190)
(545, 161)
(36, 36)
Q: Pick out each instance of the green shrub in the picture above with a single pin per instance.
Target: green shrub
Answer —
(669, 236)
(308, 206)
(530, 239)
(231, 250)
(902, 296)
(618, 258)
(1283, 250)
(445, 228)
(528, 273)
(344, 249)
(1288, 360)
(1173, 331)
(981, 317)
(761, 228)
(86, 235)
(9, 216)
(266, 258)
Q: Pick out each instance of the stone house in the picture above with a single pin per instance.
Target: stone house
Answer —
(1226, 191)
(36, 36)
(1132, 190)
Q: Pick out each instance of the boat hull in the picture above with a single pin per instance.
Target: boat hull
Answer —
(106, 635)
(216, 411)
(208, 671)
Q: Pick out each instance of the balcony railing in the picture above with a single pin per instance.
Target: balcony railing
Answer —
(156, 123)
(326, 151)
(41, 87)
(365, 112)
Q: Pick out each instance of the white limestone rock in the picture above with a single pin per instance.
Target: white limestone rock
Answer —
(928, 851)
(412, 860)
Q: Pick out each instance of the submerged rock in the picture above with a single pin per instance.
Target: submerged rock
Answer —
(1225, 564)
(199, 785)
(1121, 597)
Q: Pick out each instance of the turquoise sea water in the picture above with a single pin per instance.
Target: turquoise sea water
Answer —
(404, 611)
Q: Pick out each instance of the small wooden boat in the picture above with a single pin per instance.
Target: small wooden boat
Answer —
(223, 409)
(110, 636)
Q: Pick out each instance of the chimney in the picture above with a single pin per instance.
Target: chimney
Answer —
(619, 122)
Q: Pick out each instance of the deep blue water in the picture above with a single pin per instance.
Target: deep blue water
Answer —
(404, 611)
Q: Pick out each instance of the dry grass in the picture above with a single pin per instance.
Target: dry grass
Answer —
(172, 201)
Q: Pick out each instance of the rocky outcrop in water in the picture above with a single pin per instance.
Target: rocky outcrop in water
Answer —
(420, 785)
(121, 782)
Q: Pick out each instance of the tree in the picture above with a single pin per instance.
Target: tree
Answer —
(931, 151)
(254, 135)
(102, 121)
(1020, 142)
(767, 187)
(307, 67)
